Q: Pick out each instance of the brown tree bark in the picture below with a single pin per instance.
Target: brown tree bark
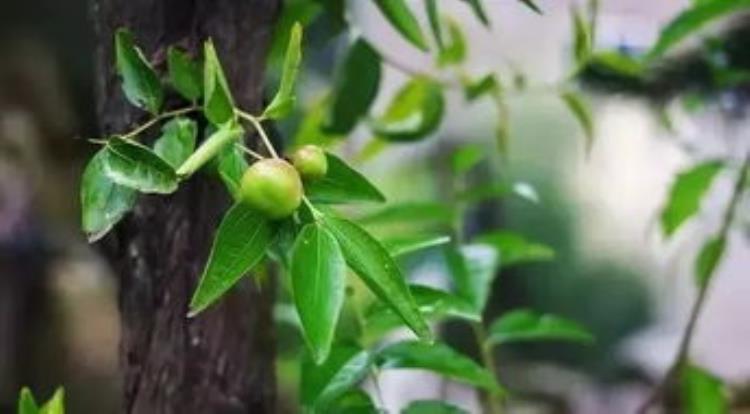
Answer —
(221, 361)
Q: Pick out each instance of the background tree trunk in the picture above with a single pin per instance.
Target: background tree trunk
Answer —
(221, 361)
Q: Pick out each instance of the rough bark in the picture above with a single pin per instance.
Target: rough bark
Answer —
(221, 361)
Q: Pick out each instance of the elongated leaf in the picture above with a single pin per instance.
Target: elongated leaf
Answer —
(26, 402)
(515, 249)
(702, 392)
(686, 195)
(322, 384)
(410, 213)
(354, 402)
(371, 261)
(708, 259)
(231, 167)
(467, 157)
(226, 136)
(690, 21)
(342, 184)
(318, 273)
(582, 113)
(403, 20)
(477, 88)
(433, 17)
(438, 358)
(473, 269)
(103, 202)
(139, 81)
(283, 102)
(177, 141)
(525, 325)
(218, 105)
(582, 41)
(56, 405)
(454, 50)
(184, 74)
(484, 192)
(531, 4)
(478, 9)
(241, 242)
(617, 63)
(311, 129)
(414, 113)
(134, 165)
(432, 407)
(399, 246)
(355, 87)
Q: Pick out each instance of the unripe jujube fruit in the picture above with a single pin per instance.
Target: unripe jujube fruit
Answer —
(273, 187)
(311, 162)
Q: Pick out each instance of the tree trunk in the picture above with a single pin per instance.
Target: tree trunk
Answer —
(221, 361)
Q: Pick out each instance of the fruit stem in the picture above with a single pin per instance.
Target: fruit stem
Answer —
(316, 213)
(250, 152)
(256, 121)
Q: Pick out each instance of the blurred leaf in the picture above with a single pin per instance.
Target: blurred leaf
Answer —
(218, 105)
(478, 9)
(454, 50)
(134, 165)
(702, 392)
(56, 405)
(414, 113)
(342, 184)
(184, 74)
(374, 147)
(355, 87)
(532, 5)
(413, 212)
(371, 261)
(582, 113)
(475, 89)
(432, 407)
(467, 157)
(708, 259)
(353, 402)
(524, 325)
(103, 202)
(433, 17)
(685, 196)
(514, 248)
(240, 243)
(26, 403)
(408, 244)
(231, 167)
(403, 20)
(438, 358)
(473, 269)
(139, 81)
(323, 384)
(617, 63)
(311, 129)
(484, 192)
(582, 41)
(177, 141)
(318, 274)
(222, 138)
(283, 102)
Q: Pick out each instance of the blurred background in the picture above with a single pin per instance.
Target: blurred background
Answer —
(612, 270)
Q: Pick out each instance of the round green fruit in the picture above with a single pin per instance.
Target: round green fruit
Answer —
(311, 162)
(273, 187)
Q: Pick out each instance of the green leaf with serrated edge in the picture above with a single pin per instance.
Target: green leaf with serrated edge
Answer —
(139, 81)
(318, 272)
(136, 166)
(433, 17)
(184, 74)
(410, 212)
(342, 184)
(438, 358)
(479, 12)
(241, 242)
(218, 105)
(371, 261)
(399, 246)
(231, 167)
(177, 141)
(345, 367)
(477, 88)
(432, 407)
(467, 157)
(103, 202)
(689, 21)
(354, 89)
(224, 137)
(708, 259)
(414, 113)
(454, 50)
(582, 113)
(473, 269)
(686, 194)
(514, 248)
(702, 392)
(531, 4)
(283, 102)
(26, 402)
(403, 20)
(353, 402)
(524, 325)
(56, 405)
(582, 41)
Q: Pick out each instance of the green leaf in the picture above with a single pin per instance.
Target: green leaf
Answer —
(318, 272)
(311, 129)
(484, 192)
(685, 196)
(467, 157)
(702, 392)
(438, 358)
(454, 50)
(177, 141)
(414, 113)
(134, 165)
(371, 261)
(486, 85)
(103, 202)
(473, 269)
(432, 407)
(617, 63)
(283, 102)
(403, 20)
(353, 402)
(708, 259)
(240, 244)
(433, 17)
(411, 213)
(531, 4)
(184, 74)
(218, 105)
(342, 184)
(224, 137)
(26, 402)
(56, 405)
(231, 167)
(478, 9)
(514, 248)
(582, 113)
(582, 41)
(354, 89)
(323, 384)
(524, 325)
(139, 81)
(403, 245)
(689, 21)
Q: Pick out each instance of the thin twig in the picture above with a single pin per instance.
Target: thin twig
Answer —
(256, 121)
(250, 152)
(158, 118)
(494, 405)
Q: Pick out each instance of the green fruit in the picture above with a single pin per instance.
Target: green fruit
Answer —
(273, 187)
(311, 162)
